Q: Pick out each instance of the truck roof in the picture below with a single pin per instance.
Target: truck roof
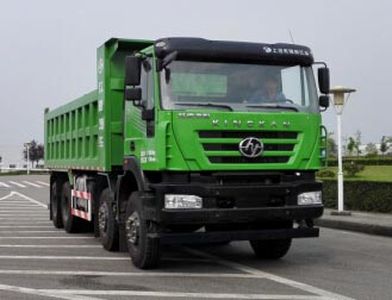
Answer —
(219, 50)
(215, 50)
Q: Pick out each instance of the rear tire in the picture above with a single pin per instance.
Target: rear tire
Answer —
(107, 224)
(71, 223)
(144, 251)
(55, 207)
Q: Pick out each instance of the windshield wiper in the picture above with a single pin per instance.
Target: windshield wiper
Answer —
(270, 105)
(204, 104)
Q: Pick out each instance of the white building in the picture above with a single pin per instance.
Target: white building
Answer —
(363, 152)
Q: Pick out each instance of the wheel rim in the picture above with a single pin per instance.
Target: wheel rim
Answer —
(103, 216)
(132, 228)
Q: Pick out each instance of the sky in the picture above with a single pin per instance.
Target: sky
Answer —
(48, 50)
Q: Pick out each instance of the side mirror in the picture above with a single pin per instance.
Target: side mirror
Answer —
(324, 102)
(323, 80)
(133, 94)
(132, 70)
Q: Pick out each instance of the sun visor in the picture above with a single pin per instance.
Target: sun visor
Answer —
(241, 52)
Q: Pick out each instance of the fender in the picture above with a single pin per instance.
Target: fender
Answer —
(131, 164)
(132, 180)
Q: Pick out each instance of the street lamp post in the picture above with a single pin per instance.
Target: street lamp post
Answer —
(27, 145)
(340, 98)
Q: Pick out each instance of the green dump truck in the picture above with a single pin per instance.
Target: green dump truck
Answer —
(188, 140)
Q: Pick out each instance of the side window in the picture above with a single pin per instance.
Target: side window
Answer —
(147, 84)
(291, 84)
(295, 85)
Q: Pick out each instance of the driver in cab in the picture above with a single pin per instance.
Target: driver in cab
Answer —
(269, 92)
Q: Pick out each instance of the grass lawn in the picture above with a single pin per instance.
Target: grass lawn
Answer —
(371, 173)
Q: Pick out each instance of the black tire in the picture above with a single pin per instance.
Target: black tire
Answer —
(107, 224)
(144, 251)
(55, 207)
(271, 249)
(71, 223)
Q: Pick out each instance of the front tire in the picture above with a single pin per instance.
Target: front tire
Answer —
(107, 224)
(271, 249)
(144, 251)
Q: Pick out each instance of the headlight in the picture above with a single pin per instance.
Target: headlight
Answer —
(183, 201)
(310, 198)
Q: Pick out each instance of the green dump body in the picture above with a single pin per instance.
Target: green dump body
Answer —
(87, 133)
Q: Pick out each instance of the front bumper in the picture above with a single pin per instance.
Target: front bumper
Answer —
(240, 235)
(240, 215)
(242, 211)
(234, 203)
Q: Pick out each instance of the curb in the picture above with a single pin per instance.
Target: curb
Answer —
(357, 227)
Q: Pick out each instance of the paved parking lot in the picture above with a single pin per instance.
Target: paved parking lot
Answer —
(38, 261)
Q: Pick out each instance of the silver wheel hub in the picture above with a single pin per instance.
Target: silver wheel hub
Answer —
(132, 227)
(103, 215)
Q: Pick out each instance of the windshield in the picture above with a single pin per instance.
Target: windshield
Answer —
(238, 87)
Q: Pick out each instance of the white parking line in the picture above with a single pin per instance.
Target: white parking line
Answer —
(18, 207)
(15, 218)
(32, 184)
(32, 214)
(26, 222)
(49, 246)
(179, 294)
(29, 212)
(49, 257)
(45, 237)
(31, 231)
(128, 274)
(21, 211)
(25, 226)
(17, 184)
(35, 292)
(14, 201)
(43, 183)
(292, 283)
(2, 184)
(13, 193)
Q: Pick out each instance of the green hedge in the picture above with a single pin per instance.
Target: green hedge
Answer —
(377, 161)
(372, 196)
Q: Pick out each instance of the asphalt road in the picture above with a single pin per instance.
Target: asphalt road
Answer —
(38, 261)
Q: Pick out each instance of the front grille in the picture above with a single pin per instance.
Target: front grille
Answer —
(234, 147)
(245, 134)
(245, 160)
(222, 146)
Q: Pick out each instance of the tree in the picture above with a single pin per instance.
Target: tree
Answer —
(371, 150)
(352, 168)
(332, 149)
(358, 136)
(351, 145)
(36, 152)
(384, 145)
